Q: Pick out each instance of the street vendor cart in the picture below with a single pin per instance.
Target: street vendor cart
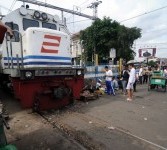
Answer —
(157, 81)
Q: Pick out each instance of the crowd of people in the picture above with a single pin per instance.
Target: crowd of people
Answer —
(146, 72)
(130, 77)
(127, 81)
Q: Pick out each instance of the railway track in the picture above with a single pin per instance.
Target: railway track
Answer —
(84, 128)
(79, 136)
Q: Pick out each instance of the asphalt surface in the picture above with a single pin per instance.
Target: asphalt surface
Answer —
(144, 117)
(107, 123)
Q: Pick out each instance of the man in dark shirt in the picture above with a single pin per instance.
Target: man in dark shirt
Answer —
(125, 77)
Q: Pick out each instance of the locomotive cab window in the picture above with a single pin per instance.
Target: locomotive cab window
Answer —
(14, 26)
(29, 23)
(49, 26)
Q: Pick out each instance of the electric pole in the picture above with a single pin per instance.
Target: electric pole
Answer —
(94, 6)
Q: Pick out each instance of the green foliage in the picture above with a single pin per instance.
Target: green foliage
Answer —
(105, 34)
(152, 63)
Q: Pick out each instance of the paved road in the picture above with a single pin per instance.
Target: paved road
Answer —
(107, 123)
(144, 117)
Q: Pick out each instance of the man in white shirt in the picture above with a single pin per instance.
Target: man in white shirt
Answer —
(165, 72)
(131, 81)
(109, 86)
(141, 74)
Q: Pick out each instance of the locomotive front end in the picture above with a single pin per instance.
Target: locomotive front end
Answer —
(39, 63)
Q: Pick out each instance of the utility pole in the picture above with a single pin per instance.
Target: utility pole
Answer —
(94, 6)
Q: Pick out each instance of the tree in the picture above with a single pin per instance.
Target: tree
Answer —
(152, 63)
(105, 34)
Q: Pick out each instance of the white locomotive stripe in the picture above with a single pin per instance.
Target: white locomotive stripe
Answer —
(50, 47)
(31, 66)
(51, 40)
(45, 60)
(38, 60)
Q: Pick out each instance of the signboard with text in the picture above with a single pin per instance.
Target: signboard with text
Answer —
(112, 53)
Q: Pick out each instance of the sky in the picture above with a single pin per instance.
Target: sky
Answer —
(152, 21)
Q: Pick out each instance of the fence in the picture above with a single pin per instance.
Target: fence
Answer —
(99, 72)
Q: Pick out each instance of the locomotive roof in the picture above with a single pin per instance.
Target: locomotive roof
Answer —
(30, 12)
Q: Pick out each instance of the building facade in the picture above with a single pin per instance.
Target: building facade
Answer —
(76, 49)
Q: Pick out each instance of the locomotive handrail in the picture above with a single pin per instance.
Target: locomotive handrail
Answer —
(21, 46)
(11, 53)
(7, 49)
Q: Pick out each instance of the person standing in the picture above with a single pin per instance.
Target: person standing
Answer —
(115, 83)
(141, 75)
(145, 76)
(149, 73)
(125, 77)
(165, 72)
(136, 79)
(131, 81)
(109, 75)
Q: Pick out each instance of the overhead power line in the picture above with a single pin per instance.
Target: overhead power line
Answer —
(144, 14)
(11, 7)
(84, 2)
(94, 6)
(150, 43)
(39, 3)
(79, 7)
(79, 21)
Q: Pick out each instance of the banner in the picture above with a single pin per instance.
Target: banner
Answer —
(147, 52)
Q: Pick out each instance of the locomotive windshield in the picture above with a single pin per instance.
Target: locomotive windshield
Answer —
(49, 25)
(14, 26)
(29, 23)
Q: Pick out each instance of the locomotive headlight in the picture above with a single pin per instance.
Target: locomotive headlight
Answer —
(79, 72)
(37, 14)
(44, 16)
(28, 75)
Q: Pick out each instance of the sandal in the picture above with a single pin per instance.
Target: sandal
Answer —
(128, 99)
